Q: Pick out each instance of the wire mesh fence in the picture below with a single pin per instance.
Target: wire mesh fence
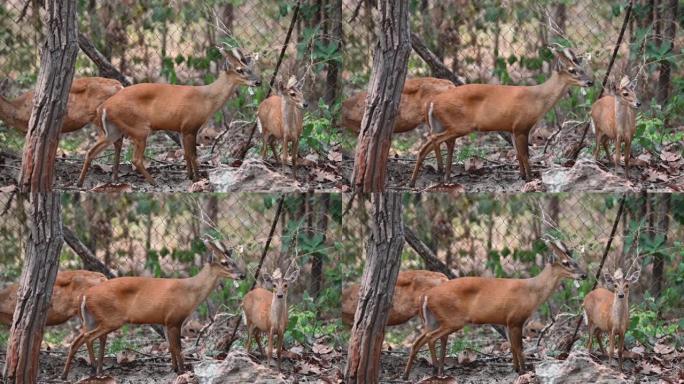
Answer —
(162, 235)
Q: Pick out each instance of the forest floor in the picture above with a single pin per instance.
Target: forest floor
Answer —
(487, 163)
(476, 355)
(164, 160)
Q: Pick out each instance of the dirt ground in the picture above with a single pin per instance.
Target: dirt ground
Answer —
(487, 163)
(164, 160)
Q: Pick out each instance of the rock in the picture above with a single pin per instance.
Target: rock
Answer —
(236, 368)
(213, 340)
(254, 176)
(585, 175)
(186, 378)
(97, 380)
(577, 368)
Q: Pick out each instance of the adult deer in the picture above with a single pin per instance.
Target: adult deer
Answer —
(280, 117)
(66, 297)
(515, 109)
(613, 118)
(138, 110)
(146, 300)
(448, 307)
(415, 96)
(606, 311)
(85, 95)
(410, 287)
(266, 311)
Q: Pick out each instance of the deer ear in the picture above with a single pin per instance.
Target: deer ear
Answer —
(634, 277)
(624, 83)
(608, 279)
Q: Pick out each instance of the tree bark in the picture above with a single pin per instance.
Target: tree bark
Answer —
(37, 280)
(51, 95)
(90, 262)
(432, 263)
(383, 258)
(334, 10)
(437, 68)
(317, 259)
(390, 62)
(669, 25)
(663, 228)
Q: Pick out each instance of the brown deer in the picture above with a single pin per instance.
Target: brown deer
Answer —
(85, 95)
(448, 307)
(266, 311)
(606, 311)
(146, 300)
(504, 108)
(138, 110)
(66, 298)
(280, 117)
(415, 96)
(613, 118)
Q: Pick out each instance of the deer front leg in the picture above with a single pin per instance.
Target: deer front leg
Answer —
(187, 154)
(618, 152)
(285, 152)
(611, 346)
(280, 348)
(295, 154)
(620, 349)
(522, 153)
(515, 337)
(628, 154)
(270, 347)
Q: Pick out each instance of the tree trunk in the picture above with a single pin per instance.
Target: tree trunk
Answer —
(390, 62)
(317, 259)
(334, 10)
(383, 258)
(669, 24)
(51, 95)
(37, 279)
(663, 227)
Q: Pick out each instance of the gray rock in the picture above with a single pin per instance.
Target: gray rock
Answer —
(585, 175)
(254, 176)
(577, 368)
(236, 368)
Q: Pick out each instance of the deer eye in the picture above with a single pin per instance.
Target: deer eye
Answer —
(625, 94)
(626, 285)
(572, 70)
(565, 262)
(293, 94)
(285, 285)
(240, 71)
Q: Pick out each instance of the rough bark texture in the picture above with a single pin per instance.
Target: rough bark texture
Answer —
(383, 258)
(105, 68)
(390, 62)
(90, 262)
(37, 279)
(50, 99)
(334, 10)
(669, 10)
(437, 68)
(432, 263)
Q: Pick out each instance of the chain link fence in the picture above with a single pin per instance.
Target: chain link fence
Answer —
(161, 235)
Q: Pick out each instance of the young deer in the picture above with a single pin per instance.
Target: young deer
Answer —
(606, 311)
(267, 312)
(484, 107)
(85, 95)
(614, 118)
(415, 96)
(140, 109)
(146, 300)
(448, 307)
(64, 304)
(280, 117)
(406, 301)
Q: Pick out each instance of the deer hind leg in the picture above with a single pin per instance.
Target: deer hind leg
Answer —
(433, 356)
(109, 134)
(427, 147)
(101, 352)
(84, 337)
(91, 356)
(257, 339)
(443, 341)
(450, 158)
(139, 157)
(417, 344)
(438, 157)
(598, 334)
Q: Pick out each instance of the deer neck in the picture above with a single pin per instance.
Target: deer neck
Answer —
(549, 92)
(620, 311)
(220, 91)
(292, 115)
(625, 116)
(278, 311)
(544, 284)
(202, 283)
